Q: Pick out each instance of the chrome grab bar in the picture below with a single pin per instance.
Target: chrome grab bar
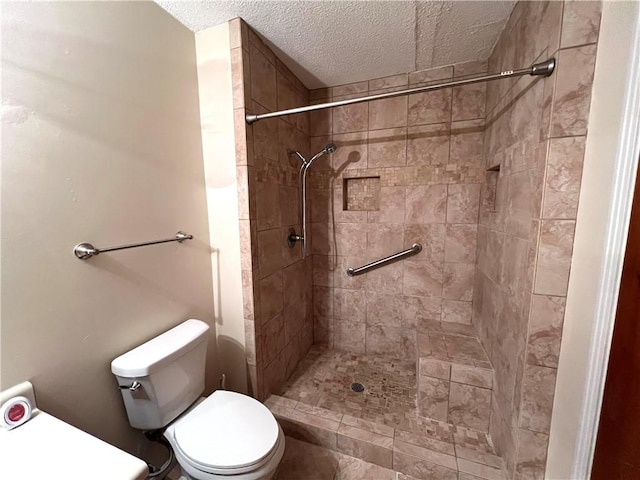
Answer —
(415, 249)
(85, 250)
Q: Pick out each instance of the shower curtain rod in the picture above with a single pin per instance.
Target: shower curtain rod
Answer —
(545, 68)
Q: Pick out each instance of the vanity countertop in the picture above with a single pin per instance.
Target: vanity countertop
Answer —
(46, 447)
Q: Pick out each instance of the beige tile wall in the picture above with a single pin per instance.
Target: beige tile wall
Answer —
(276, 281)
(535, 133)
(427, 150)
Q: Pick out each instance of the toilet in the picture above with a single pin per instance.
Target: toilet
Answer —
(222, 436)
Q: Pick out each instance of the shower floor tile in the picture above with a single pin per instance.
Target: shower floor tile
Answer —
(324, 377)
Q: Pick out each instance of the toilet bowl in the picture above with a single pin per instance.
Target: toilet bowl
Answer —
(225, 435)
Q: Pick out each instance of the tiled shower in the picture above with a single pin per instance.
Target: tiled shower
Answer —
(462, 339)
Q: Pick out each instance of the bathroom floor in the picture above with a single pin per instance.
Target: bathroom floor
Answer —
(303, 461)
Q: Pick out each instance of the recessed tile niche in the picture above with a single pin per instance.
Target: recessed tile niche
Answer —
(361, 194)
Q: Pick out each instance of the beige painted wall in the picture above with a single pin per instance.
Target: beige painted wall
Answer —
(100, 142)
(218, 145)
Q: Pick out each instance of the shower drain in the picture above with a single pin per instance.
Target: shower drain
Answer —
(357, 387)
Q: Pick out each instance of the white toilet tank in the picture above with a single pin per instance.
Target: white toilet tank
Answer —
(161, 378)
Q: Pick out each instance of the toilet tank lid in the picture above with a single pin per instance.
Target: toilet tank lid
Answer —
(157, 352)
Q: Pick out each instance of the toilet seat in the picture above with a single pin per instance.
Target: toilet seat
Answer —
(226, 434)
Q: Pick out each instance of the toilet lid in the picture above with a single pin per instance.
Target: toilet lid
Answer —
(227, 430)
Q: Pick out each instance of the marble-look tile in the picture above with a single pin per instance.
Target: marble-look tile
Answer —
(269, 251)
(532, 455)
(271, 296)
(421, 469)
(295, 284)
(537, 398)
(427, 454)
(388, 279)
(580, 22)
(323, 269)
(289, 206)
(340, 277)
(382, 240)
(431, 74)
(545, 330)
(274, 374)
(268, 203)
(387, 148)
(319, 120)
(467, 140)
(473, 67)
(294, 316)
(469, 406)
(468, 102)
(351, 468)
(388, 113)
(482, 471)
(350, 305)
(384, 309)
(456, 311)
(422, 279)
(350, 118)
(418, 311)
(460, 243)
(468, 476)
(554, 257)
(562, 178)
(345, 233)
(292, 354)
(319, 94)
(238, 33)
(433, 398)
(570, 111)
(304, 460)
(430, 236)
(478, 456)
(458, 281)
(243, 136)
(350, 88)
(392, 206)
(250, 300)
(273, 338)
(423, 440)
(322, 301)
(426, 204)
(263, 79)
(319, 412)
(390, 342)
(430, 107)
(388, 82)
(379, 428)
(463, 202)
(322, 239)
(475, 376)
(351, 151)
(349, 337)
(323, 331)
(428, 144)
(431, 367)
(368, 446)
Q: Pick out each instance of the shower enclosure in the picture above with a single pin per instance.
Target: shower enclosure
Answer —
(442, 362)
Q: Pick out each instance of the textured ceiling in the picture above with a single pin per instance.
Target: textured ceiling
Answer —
(336, 42)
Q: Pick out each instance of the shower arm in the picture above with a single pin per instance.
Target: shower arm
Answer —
(545, 69)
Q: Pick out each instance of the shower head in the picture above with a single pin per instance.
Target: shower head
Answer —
(330, 148)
